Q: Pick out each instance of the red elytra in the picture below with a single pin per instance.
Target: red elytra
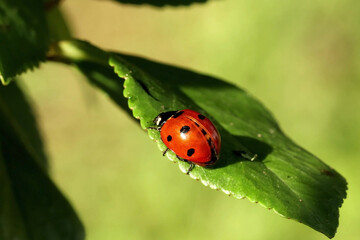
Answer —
(190, 135)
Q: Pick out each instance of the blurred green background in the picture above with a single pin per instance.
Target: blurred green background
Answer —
(300, 58)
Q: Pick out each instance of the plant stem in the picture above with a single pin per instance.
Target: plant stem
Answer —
(72, 51)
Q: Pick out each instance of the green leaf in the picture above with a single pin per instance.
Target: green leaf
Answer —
(284, 177)
(31, 207)
(24, 36)
(21, 120)
(161, 3)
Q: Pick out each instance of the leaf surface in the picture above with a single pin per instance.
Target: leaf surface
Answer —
(284, 177)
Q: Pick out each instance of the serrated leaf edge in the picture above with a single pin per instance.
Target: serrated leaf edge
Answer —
(171, 155)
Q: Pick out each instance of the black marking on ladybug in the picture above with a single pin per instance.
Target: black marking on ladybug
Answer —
(202, 117)
(203, 131)
(178, 114)
(184, 129)
(214, 157)
(196, 124)
(214, 154)
(190, 152)
(210, 142)
(169, 138)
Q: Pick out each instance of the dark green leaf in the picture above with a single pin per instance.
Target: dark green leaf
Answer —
(24, 36)
(284, 177)
(31, 207)
(21, 120)
(161, 3)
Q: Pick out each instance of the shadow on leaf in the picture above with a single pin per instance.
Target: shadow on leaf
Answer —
(245, 149)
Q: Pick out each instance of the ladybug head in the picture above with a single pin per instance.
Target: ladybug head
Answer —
(163, 117)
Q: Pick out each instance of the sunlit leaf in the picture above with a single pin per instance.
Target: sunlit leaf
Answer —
(284, 177)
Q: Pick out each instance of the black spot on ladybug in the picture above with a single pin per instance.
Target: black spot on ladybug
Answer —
(196, 124)
(178, 114)
(184, 129)
(214, 157)
(209, 142)
(190, 152)
(203, 131)
(169, 138)
(202, 117)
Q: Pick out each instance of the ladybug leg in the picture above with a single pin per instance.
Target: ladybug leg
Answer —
(164, 152)
(192, 165)
(247, 156)
(154, 128)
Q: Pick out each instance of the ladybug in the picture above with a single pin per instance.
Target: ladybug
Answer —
(190, 135)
